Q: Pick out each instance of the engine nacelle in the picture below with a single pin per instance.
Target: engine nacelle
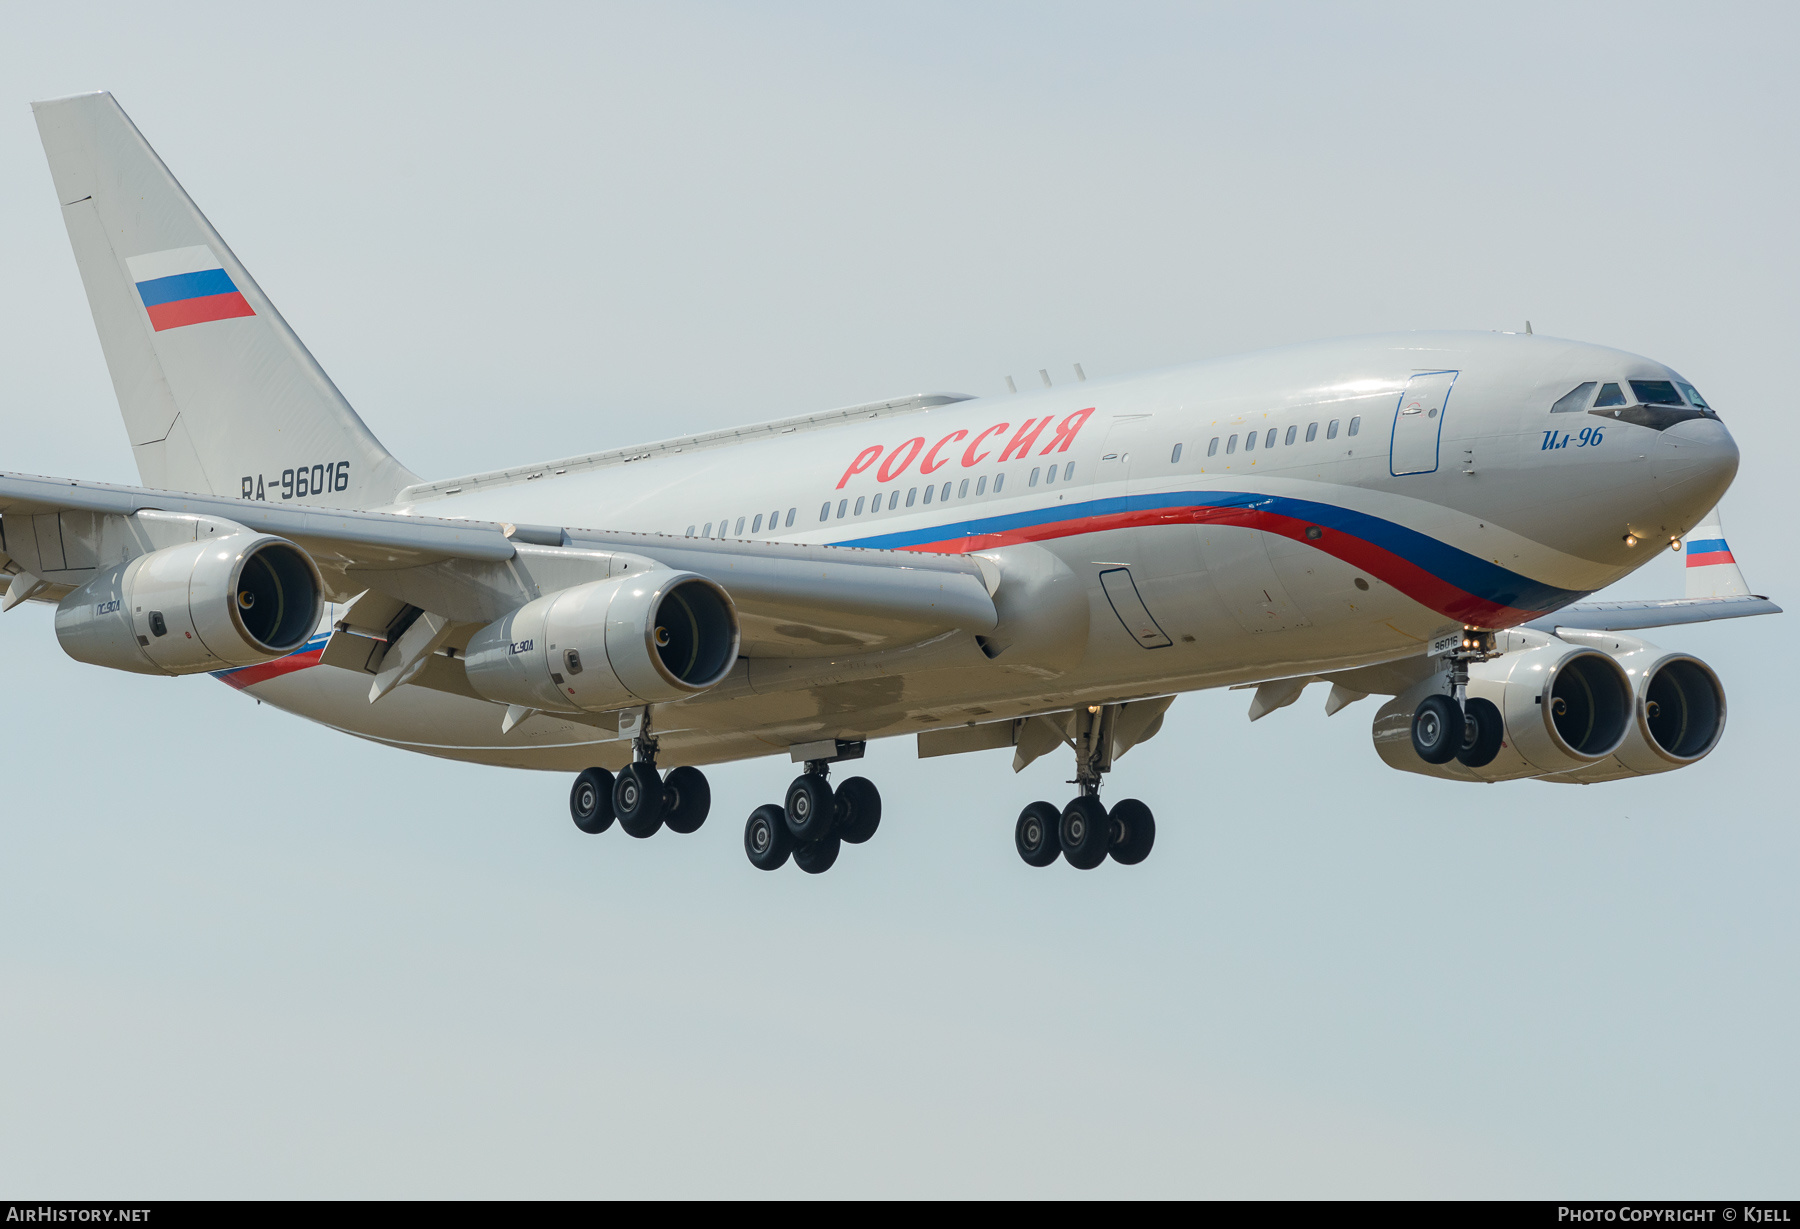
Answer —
(233, 600)
(1565, 707)
(651, 638)
(1678, 717)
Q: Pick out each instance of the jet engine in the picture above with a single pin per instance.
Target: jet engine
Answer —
(651, 638)
(233, 600)
(1678, 717)
(1564, 708)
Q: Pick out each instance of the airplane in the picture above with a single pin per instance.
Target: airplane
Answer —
(1417, 515)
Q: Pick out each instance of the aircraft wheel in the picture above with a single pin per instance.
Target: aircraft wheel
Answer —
(637, 799)
(1133, 832)
(1084, 832)
(1437, 729)
(816, 857)
(767, 841)
(590, 801)
(686, 799)
(809, 807)
(1483, 732)
(858, 811)
(1034, 836)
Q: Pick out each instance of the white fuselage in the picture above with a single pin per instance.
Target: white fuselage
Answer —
(1398, 486)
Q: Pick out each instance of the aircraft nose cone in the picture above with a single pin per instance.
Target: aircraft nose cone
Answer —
(1694, 463)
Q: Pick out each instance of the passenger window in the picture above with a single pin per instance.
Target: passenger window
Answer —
(999, 481)
(893, 499)
(1693, 396)
(911, 491)
(707, 532)
(1250, 441)
(1176, 455)
(724, 525)
(690, 532)
(1575, 400)
(962, 490)
(930, 491)
(1292, 431)
(824, 511)
(842, 504)
(1312, 432)
(981, 485)
(791, 514)
(1270, 441)
(740, 528)
(1609, 396)
(1212, 449)
(945, 493)
(1034, 477)
(1331, 430)
(875, 504)
(774, 519)
(1051, 476)
(757, 528)
(1068, 471)
(860, 501)
(1355, 425)
(1656, 392)
(1231, 445)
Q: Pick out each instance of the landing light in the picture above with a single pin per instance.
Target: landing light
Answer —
(1675, 545)
(1631, 539)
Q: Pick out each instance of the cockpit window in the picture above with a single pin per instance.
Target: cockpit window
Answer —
(1693, 395)
(1575, 400)
(1609, 395)
(1656, 392)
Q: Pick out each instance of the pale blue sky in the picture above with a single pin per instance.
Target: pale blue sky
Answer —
(241, 955)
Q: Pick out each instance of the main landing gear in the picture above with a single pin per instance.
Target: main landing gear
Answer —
(640, 798)
(1454, 727)
(814, 822)
(1085, 832)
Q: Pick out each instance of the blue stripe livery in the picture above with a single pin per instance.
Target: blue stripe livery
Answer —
(1706, 547)
(185, 286)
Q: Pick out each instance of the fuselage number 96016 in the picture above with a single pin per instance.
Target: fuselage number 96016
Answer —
(299, 482)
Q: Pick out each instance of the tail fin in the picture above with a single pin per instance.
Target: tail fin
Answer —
(219, 396)
(1711, 570)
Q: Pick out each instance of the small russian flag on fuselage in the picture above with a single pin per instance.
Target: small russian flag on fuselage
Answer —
(185, 286)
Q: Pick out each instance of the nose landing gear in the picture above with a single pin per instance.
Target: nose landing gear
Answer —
(1085, 833)
(1454, 727)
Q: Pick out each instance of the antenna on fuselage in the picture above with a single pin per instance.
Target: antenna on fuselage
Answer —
(1080, 374)
(1010, 386)
(1044, 376)
(1528, 328)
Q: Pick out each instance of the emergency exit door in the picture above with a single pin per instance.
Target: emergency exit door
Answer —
(1419, 423)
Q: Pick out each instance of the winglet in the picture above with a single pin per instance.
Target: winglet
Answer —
(1711, 570)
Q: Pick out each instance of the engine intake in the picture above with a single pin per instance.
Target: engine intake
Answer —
(233, 600)
(651, 638)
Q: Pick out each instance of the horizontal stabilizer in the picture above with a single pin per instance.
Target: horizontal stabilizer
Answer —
(1631, 616)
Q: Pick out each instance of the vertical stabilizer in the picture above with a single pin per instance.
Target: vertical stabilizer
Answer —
(219, 396)
(1711, 570)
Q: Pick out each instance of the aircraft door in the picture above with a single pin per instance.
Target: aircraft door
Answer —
(1418, 423)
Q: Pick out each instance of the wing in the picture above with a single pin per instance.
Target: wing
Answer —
(793, 600)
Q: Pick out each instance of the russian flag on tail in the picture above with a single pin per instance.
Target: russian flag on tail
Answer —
(1712, 570)
(184, 286)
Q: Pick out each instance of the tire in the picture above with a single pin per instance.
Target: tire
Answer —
(1483, 732)
(1133, 832)
(1034, 836)
(809, 808)
(590, 801)
(1084, 832)
(816, 857)
(767, 841)
(638, 800)
(1437, 727)
(686, 799)
(858, 810)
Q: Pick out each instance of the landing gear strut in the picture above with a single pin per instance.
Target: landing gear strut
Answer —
(1085, 832)
(1454, 727)
(640, 798)
(814, 822)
